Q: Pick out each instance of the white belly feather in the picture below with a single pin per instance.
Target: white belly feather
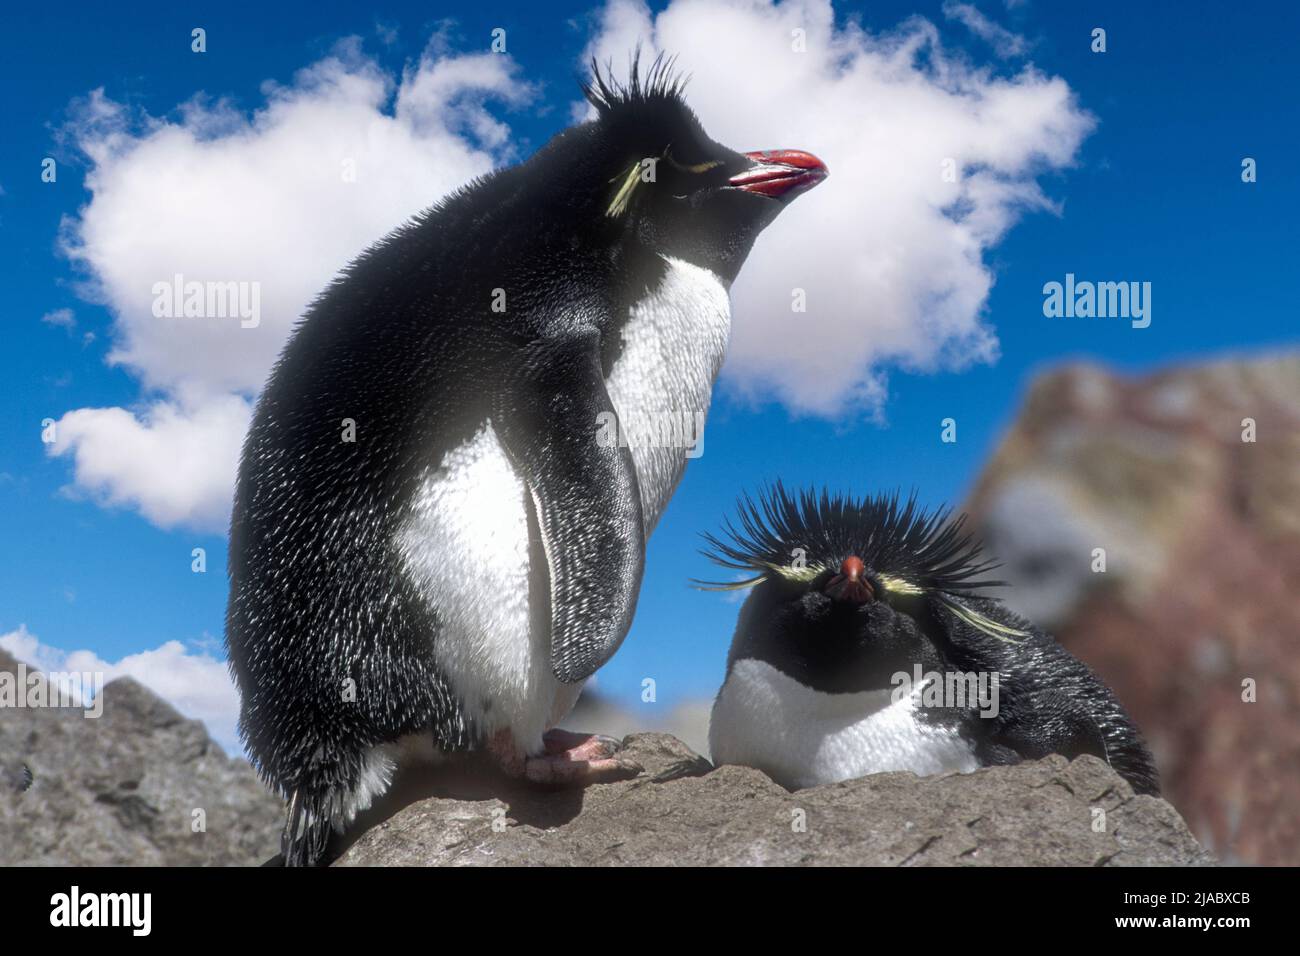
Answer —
(465, 544)
(464, 540)
(802, 737)
(673, 347)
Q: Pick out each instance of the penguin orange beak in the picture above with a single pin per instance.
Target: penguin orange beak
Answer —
(851, 586)
(780, 173)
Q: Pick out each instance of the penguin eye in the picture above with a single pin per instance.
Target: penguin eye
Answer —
(784, 574)
(628, 181)
(696, 168)
(902, 596)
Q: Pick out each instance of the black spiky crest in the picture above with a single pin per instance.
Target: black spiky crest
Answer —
(927, 549)
(660, 83)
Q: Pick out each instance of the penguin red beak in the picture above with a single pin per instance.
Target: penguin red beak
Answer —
(851, 586)
(780, 173)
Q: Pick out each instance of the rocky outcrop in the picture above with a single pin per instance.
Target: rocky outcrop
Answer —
(139, 785)
(681, 812)
(1194, 620)
(128, 788)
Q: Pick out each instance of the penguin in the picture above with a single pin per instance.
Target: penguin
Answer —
(866, 645)
(432, 546)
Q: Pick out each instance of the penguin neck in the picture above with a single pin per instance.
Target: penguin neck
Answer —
(660, 369)
(646, 262)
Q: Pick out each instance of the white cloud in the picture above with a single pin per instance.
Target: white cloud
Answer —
(890, 255)
(24, 646)
(1004, 42)
(197, 685)
(214, 194)
(60, 318)
(174, 464)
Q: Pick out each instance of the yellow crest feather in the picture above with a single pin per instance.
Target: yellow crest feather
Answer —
(618, 205)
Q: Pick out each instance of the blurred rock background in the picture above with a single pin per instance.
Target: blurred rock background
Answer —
(687, 720)
(1201, 532)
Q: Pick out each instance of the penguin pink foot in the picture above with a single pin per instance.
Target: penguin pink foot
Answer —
(568, 759)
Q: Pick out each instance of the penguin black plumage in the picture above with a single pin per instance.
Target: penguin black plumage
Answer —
(851, 594)
(452, 575)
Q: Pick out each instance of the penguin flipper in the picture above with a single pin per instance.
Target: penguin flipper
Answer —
(1057, 726)
(584, 493)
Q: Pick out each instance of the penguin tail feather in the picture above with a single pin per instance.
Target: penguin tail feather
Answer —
(307, 828)
(1136, 765)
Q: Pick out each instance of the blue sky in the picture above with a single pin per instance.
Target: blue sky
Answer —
(1154, 193)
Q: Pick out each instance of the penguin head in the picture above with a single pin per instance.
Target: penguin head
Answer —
(667, 186)
(846, 592)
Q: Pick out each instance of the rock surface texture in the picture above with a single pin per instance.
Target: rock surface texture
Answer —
(680, 812)
(124, 788)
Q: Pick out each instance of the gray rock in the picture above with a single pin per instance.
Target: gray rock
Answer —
(124, 788)
(682, 813)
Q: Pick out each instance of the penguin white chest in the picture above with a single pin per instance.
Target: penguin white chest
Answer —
(464, 538)
(802, 737)
(464, 543)
(674, 342)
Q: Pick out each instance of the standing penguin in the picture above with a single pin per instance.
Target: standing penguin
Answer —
(863, 649)
(431, 549)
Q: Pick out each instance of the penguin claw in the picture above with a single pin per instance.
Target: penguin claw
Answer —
(568, 759)
(560, 770)
(580, 746)
(572, 759)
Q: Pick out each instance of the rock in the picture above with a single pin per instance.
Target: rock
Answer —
(683, 813)
(1201, 531)
(123, 788)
